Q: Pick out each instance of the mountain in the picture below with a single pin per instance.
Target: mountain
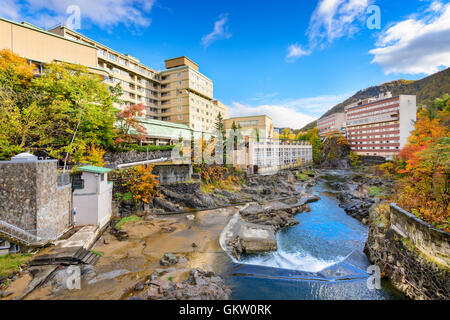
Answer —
(426, 90)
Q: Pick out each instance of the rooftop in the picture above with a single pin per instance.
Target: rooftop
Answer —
(94, 169)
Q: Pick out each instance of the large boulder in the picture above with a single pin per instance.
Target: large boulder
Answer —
(255, 238)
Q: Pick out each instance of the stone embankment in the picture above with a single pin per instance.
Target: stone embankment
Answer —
(413, 255)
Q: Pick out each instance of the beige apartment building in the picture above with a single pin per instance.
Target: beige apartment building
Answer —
(187, 96)
(41, 47)
(262, 123)
(180, 94)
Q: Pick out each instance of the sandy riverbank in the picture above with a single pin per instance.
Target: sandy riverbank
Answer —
(125, 263)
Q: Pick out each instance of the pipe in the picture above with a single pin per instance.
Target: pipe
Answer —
(132, 164)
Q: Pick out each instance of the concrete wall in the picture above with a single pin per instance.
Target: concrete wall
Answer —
(172, 173)
(56, 218)
(18, 201)
(31, 200)
(432, 242)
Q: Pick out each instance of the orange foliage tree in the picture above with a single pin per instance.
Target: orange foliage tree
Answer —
(142, 183)
(424, 166)
(94, 156)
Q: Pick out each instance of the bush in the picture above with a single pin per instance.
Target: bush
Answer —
(141, 183)
(302, 177)
(374, 191)
(355, 159)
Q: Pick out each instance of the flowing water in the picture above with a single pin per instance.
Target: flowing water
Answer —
(320, 258)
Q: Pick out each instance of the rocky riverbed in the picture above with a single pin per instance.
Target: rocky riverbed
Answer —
(359, 192)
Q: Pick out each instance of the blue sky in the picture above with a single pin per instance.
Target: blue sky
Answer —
(292, 60)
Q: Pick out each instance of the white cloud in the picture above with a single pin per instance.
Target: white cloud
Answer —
(290, 113)
(220, 31)
(104, 13)
(331, 20)
(295, 51)
(10, 9)
(416, 45)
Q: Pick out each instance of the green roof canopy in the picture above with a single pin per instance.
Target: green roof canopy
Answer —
(94, 169)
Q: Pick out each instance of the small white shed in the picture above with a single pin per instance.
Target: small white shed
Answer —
(93, 201)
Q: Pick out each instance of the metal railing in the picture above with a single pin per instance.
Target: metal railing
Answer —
(28, 238)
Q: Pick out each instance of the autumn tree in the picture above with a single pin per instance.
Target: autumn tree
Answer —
(94, 156)
(424, 166)
(128, 124)
(57, 114)
(142, 183)
(19, 111)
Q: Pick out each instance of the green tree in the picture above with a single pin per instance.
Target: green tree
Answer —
(78, 110)
(220, 128)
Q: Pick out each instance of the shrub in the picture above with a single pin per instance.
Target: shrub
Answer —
(374, 191)
(141, 183)
(302, 177)
(94, 156)
(355, 159)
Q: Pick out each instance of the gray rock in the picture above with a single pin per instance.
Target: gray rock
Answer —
(139, 286)
(168, 259)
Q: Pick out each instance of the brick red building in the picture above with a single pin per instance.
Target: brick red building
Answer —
(380, 126)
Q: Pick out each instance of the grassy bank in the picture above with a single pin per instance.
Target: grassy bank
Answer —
(12, 262)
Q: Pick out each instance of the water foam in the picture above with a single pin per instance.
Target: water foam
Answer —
(300, 261)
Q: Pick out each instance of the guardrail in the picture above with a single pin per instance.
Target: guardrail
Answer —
(27, 238)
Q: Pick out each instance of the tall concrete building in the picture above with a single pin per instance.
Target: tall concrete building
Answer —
(187, 96)
(380, 126)
(333, 123)
(179, 94)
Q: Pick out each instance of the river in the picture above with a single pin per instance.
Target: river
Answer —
(321, 258)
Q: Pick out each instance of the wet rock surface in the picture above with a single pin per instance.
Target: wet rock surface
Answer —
(355, 197)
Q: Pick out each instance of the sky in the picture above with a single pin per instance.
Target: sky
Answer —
(290, 59)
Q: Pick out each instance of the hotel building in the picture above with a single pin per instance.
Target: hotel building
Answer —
(332, 123)
(380, 126)
(179, 94)
(187, 96)
(263, 124)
